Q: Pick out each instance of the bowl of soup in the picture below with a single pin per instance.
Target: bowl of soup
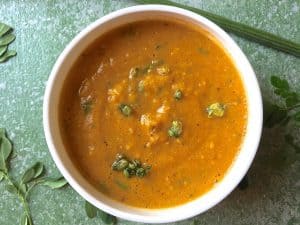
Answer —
(153, 114)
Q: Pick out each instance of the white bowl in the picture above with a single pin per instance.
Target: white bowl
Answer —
(59, 154)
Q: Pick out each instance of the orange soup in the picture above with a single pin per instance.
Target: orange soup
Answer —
(153, 113)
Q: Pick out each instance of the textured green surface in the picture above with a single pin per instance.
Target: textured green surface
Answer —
(43, 28)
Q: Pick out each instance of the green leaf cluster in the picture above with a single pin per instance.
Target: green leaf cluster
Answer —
(6, 38)
(22, 187)
(289, 110)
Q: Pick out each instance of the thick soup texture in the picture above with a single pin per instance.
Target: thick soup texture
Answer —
(162, 93)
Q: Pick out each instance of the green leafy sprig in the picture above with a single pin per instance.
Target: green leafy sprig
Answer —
(6, 38)
(92, 212)
(32, 177)
(288, 110)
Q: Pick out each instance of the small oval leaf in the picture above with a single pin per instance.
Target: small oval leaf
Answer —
(38, 169)
(279, 83)
(3, 49)
(107, 218)
(2, 132)
(7, 39)
(11, 189)
(5, 148)
(28, 175)
(7, 55)
(4, 29)
(22, 188)
(1, 176)
(91, 210)
(54, 183)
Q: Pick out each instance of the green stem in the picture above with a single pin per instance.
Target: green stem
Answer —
(21, 197)
(242, 30)
(294, 107)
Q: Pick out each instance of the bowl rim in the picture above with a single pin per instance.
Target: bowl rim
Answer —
(186, 210)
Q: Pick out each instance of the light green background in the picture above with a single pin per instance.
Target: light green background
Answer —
(43, 28)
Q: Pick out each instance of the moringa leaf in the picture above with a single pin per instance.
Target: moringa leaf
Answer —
(2, 132)
(3, 49)
(4, 29)
(33, 172)
(28, 175)
(1, 176)
(91, 210)
(54, 183)
(291, 101)
(107, 218)
(279, 83)
(8, 54)
(38, 169)
(11, 189)
(5, 148)
(22, 188)
(275, 115)
(7, 39)
(24, 220)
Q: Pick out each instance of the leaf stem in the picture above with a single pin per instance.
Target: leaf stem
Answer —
(294, 107)
(21, 197)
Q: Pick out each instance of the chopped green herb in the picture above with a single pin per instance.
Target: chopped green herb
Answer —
(140, 172)
(176, 129)
(120, 164)
(128, 172)
(141, 86)
(215, 110)
(86, 105)
(178, 94)
(130, 168)
(125, 109)
(163, 70)
(202, 51)
(133, 72)
(121, 185)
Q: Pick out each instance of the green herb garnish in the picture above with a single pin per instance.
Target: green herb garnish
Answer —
(125, 109)
(242, 30)
(133, 72)
(178, 94)
(130, 168)
(6, 38)
(92, 212)
(215, 110)
(288, 110)
(31, 177)
(86, 105)
(163, 70)
(176, 129)
(119, 165)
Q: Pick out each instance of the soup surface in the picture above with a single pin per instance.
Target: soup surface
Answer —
(160, 92)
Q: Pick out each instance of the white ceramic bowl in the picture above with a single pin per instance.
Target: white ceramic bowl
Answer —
(79, 183)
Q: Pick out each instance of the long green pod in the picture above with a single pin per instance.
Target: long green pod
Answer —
(242, 30)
